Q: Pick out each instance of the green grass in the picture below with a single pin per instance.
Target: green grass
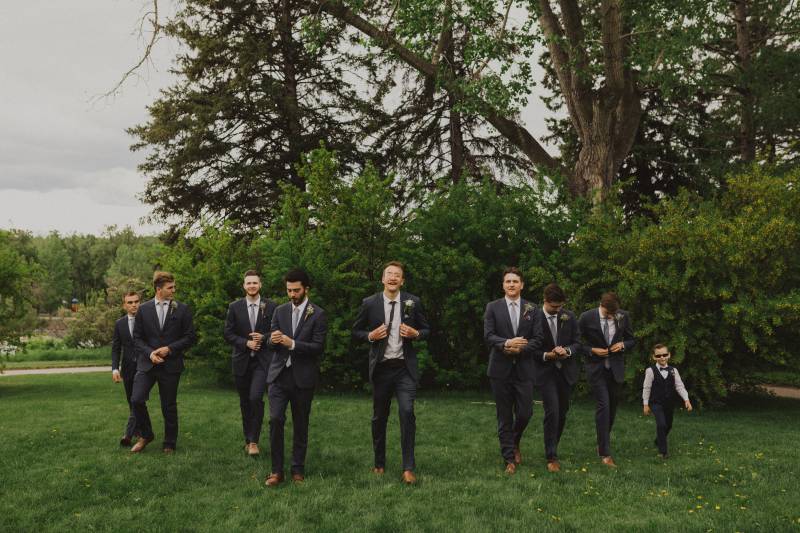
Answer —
(61, 469)
(59, 357)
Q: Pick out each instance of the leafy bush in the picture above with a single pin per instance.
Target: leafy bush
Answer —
(715, 279)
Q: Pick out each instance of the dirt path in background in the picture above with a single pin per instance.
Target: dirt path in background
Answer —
(783, 392)
(67, 370)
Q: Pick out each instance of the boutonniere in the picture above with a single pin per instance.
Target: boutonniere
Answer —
(564, 317)
(526, 311)
(172, 306)
(262, 306)
(309, 311)
(618, 317)
(408, 305)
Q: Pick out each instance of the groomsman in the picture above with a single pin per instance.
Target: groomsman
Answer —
(512, 332)
(246, 330)
(391, 321)
(162, 332)
(298, 335)
(556, 368)
(123, 358)
(606, 335)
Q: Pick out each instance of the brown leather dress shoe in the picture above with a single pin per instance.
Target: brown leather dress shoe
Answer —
(298, 478)
(553, 466)
(378, 470)
(511, 468)
(609, 462)
(273, 480)
(169, 451)
(517, 456)
(252, 449)
(140, 444)
(408, 477)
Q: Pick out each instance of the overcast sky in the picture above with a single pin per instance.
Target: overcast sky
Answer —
(65, 162)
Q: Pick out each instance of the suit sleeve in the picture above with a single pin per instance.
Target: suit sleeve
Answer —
(116, 347)
(187, 337)
(585, 345)
(229, 332)
(575, 348)
(316, 345)
(138, 336)
(534, 345)
(423, 327)
(537, 351)
(628, 340)
(361, 325)
(493, 340)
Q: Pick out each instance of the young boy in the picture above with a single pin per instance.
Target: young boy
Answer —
(661, 382)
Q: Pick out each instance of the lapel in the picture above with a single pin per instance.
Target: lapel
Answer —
(507, 315)
(154, 318)
(245, 310)
(402, 309)
(377, 306)
(600, 327)
(127, 328)
(617, 327)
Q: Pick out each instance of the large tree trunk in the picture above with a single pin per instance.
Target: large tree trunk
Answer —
(747, 134)
(290, 103)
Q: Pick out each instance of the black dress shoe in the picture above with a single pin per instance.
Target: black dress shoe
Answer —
(125, 441)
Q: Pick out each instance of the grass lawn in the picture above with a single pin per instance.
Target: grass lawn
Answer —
(61, 468)
(59, 358)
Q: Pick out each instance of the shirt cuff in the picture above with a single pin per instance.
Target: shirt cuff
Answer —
(115, 371)
(291, 349)
(645, 402)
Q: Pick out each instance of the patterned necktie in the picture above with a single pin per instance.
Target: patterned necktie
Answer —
(606, 331)
(252, 317)
(514, 317)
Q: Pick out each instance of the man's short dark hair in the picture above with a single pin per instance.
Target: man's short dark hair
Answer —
(160, 278)
(515, 271)
(397, 264)
(610, 301)
(130, 293)
(252, 273)
(554, 294)
(296, 275)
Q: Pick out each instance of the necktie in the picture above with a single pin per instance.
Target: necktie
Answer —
(391, 319)
(606, 362)
(130, 325)
(514, 317)
(553, 330)
(295, 320)
(252, 317)
(162, 311)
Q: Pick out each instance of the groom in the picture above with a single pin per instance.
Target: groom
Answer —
(391, 321)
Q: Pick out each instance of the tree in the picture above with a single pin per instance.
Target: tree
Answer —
(16, 278)
(251, 97)
(54, 284)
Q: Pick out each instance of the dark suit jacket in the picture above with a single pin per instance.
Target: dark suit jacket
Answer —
(309, 342)
(237, 329)
(592, 336)
(497, 330)
(371, 315)
(122, 348)
(568, 335)
(178, 334)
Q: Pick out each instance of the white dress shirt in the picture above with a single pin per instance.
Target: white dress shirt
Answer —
(394, 344)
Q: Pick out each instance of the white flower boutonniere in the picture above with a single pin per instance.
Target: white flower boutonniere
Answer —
(408, 305)
(262, 306)
(564, 317)
(526, 311)
(309, 311)
(618, 317)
